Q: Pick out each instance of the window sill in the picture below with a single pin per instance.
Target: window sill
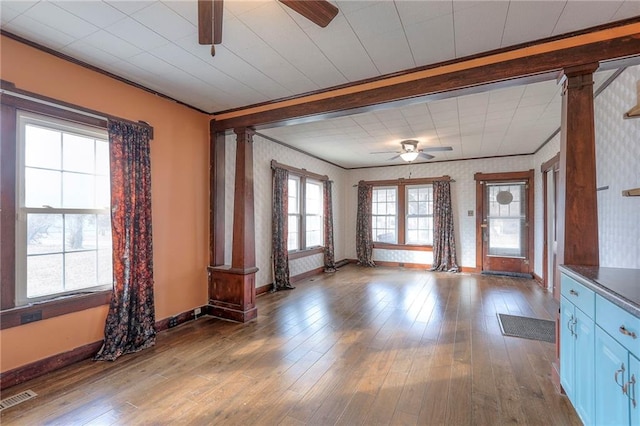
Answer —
(304, 253)
(21, 315)
(410, 247)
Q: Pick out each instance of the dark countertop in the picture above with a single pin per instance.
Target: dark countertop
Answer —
(619, 285)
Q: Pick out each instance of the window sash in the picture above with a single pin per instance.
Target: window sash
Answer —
(67, 131)
(309, 192)
(385, 215)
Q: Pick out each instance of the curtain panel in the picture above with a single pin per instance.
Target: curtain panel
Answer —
(444, 241)
(364, 238)
(329, 254)
(130, 325)
(280, 231)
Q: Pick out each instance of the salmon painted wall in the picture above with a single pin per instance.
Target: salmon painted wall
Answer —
(180, 174)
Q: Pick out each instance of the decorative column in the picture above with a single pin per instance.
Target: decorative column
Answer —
(232, 289)
(577, 198)
(577, 222)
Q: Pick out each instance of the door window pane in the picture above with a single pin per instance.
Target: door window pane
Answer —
(506, 221)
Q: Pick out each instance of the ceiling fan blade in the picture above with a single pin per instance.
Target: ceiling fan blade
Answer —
(217, 21)
(205, 21)
(385, 152)
(320, 12)
(425, 155)
(394, 157)
(437, 149)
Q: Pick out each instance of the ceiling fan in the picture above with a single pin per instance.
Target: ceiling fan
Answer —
(320, 12)
(410, 151)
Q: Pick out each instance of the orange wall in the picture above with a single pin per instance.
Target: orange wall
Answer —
(180, 174)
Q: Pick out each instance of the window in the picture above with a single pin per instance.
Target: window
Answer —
(419, 225)
(63, 229)
(306, 224)
(384, 212)
(403, 214)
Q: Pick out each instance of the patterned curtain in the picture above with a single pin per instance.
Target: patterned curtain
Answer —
(329, 255)
(130, 325)
(444, 242)
(364, 239)
(280, 230)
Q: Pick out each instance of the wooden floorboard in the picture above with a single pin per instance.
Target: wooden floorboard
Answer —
(360, 346)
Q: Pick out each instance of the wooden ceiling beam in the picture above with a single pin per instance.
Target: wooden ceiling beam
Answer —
(504, 67)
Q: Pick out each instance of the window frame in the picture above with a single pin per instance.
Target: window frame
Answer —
(302, 214)
(10, 314)
(418, 216)
(402, 208)
(25, 118)
(374, 216)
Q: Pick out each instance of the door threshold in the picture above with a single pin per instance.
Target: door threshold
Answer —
(508, 274)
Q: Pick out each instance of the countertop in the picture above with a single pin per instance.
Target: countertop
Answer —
(619, 285)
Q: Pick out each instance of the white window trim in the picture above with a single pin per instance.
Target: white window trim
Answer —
(24, 118)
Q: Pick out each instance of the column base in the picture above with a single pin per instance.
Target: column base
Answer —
(232, 293)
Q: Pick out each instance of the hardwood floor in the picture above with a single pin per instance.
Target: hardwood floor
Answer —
(361, 346)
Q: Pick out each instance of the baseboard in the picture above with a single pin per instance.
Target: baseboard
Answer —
(297, 278)
(538, 279)
(402, 264)
(55, 362)
(47, 365)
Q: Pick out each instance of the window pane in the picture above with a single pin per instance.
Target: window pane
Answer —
(80, 270)
(42, 147)
(77, 190)
(313, 198)
(293, 238)
(80, 232)
(102, 158)
(44, 233)
(105, 271)
(42, 188)
(294, 205)
(103, 192)
(78, 154)
(44, 275)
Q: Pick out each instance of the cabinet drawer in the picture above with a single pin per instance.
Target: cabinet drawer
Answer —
(578, 294)
(620, 324)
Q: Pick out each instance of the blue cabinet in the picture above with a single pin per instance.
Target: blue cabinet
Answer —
(612, 404)
(577, 356)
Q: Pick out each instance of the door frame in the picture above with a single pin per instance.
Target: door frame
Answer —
(480, 179)
(551, 165)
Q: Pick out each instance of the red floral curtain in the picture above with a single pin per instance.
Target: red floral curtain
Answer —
(329, 255)
(444, 241)
(364, 237)
(280, 231)
(130, 325)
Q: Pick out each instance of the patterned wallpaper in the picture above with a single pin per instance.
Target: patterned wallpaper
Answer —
(618, 167)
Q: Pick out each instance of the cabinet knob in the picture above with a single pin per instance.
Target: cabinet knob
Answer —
(573, 292)
(626, 332)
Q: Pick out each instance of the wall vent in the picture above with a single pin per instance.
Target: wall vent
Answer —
(17, 399)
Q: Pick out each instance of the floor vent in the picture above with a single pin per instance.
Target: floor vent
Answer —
(17, 399)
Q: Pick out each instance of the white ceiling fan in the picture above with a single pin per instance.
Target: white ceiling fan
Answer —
(410, 151)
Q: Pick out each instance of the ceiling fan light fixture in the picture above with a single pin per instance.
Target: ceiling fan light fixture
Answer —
(409, 156)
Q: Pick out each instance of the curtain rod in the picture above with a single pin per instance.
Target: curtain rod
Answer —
(302, 172)
(9, 89)
(414, 181)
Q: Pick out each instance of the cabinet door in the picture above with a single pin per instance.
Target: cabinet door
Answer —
(584, 385)
(612, 405)
(633, 389)
(567, 348)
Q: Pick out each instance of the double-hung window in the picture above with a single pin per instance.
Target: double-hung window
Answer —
(402, 214)
(306, 223)
(63, 229)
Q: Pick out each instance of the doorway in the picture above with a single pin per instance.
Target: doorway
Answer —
(504, 226)
(550, 178)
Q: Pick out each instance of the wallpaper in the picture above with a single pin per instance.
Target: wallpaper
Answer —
(618, 167)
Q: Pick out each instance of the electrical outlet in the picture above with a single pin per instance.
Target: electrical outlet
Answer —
(173, 321)
(197, 312)
(469, 212)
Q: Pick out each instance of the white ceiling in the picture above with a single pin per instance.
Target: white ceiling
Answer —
(270, 52)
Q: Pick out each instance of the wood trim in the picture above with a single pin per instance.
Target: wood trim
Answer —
(217, 188)
(53, 308)
(244, 252)
(551, 163)
(408, 247)
(299, 172)
(479, 217)
(304, 253)
(497, 177)
(47, 365)
(94, 68)
(308, 274)
(403, 181)
(182, 317)
(8, 132)
(546, 56)
(385, 263)
(60, 109)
